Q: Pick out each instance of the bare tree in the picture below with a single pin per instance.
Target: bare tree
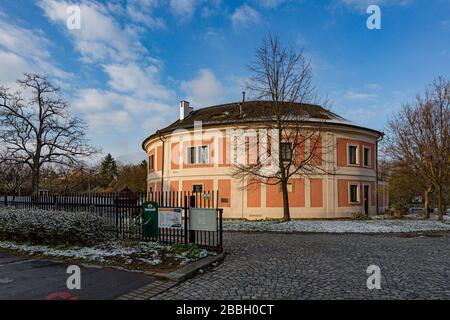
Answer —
(13, 178)
(419, 138)
(291, 127)
(36, 128)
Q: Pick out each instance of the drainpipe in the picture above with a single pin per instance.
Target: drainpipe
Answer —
(162, 165)
(376, 173)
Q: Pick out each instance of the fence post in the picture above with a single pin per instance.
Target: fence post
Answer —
(185, 208)
(6, 200)
(220, 229)
(192, 204)
(116, 205)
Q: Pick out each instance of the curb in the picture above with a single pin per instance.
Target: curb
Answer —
(191, 269)
(169, 280)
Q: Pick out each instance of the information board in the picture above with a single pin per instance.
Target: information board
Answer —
(202, 219)
(170, 218)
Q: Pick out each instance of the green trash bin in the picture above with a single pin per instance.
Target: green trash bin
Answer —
(150, 219)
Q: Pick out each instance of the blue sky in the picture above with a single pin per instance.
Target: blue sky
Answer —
(131, 62)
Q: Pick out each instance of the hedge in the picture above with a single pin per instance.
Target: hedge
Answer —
(52, 227)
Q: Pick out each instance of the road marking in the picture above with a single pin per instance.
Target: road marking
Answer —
(6, 280)
(17, 262)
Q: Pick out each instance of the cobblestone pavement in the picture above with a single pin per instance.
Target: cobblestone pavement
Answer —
(299, 266)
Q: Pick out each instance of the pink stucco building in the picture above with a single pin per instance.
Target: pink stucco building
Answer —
(199, 151)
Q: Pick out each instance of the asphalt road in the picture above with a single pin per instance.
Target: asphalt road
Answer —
(23, 278)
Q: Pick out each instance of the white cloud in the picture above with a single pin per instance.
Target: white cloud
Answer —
(101, 37)
(373, 86)
(91, 100)
(133, 89)
(204, 89)
(271, 3)
(20, 40)
(104, 122)
(12, 67)
(96, 104)
(141, 11)
(25, 50)
(131, 78)
(183, 8)
(361, 114)
(353, 95)
(245, 16)
(363, 4)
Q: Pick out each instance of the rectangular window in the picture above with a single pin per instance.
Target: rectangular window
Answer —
(366, 156)
(352, 154)
(191, 155)
(197, 188)
(151, 162)
(203, 154)
(286, 151)
(354, 196)
(289, 187)
(198, 155)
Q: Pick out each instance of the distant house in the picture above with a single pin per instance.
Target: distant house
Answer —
(185, 157)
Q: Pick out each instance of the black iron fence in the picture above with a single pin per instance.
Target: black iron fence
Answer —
(122, 213)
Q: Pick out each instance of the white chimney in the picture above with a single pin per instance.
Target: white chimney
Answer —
(185, 109)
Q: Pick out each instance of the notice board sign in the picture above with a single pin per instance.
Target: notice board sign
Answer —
(170, 218)
(202, 219)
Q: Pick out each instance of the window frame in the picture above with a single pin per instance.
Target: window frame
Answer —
(195, 157)
(350, 185)
(196, 185)
(356, 154)
(369, 156)
(191, 157)
(290, 187)
(151, 162)
(200, 155)
(282, 151)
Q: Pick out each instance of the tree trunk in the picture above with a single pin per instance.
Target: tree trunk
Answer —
(426, 203)
(35, 181)
(440, 204)
(286, 213)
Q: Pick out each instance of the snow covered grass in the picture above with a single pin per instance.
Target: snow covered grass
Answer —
(383, 225)
(131, 255)
(52, 227)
